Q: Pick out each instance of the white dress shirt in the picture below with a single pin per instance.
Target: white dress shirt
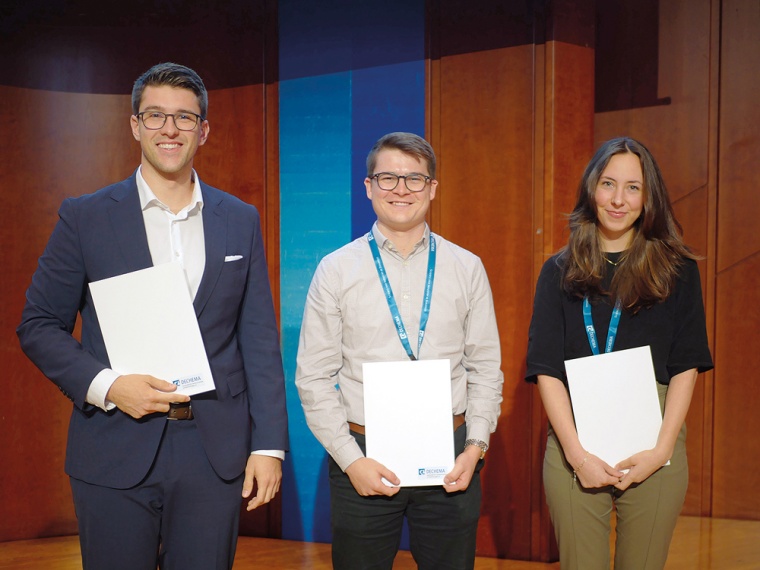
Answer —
(171, 237)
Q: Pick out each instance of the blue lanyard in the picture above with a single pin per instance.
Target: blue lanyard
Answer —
(591, 331)
(400, 329)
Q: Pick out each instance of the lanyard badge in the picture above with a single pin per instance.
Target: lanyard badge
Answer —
(428, 294)
(591, 332)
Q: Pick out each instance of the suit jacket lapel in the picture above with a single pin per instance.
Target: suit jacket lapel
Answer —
(215, 237)
(129, 227)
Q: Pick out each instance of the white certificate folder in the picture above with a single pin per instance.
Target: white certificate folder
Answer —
(615, 403)
(149, 327)
(408, 419)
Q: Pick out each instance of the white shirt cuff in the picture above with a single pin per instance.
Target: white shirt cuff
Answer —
(279, 454)
(99, 387)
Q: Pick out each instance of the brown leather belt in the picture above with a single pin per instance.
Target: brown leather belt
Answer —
(458, 422)
(183, 411)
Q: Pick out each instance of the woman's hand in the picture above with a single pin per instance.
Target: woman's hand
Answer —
(595, 473)
(640, 466)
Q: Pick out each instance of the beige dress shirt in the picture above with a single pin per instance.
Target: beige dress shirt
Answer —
(347, 322)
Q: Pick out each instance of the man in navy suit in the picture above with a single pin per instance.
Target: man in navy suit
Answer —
(157, 476)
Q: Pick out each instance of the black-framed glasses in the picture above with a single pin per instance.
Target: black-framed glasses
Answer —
(414, 182)
(155, 120)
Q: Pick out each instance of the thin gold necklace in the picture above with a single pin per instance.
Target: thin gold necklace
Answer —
(615, 263)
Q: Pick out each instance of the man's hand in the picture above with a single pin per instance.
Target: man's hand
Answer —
(459, 478)
(267, 472)
(365, 475)
(139, 395)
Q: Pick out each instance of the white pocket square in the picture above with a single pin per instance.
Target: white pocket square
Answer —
(232, 258)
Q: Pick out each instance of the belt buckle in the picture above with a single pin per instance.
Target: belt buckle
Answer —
(180, 411)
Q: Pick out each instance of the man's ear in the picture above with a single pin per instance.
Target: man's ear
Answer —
(134, 123)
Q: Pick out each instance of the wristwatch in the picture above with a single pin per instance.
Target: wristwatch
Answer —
(481, 444)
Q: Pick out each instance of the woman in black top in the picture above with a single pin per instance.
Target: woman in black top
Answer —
(625, 246)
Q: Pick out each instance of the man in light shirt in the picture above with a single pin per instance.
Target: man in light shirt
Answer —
(156, 476)
(351, 319)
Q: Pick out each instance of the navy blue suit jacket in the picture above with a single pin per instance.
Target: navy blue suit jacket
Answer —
(101, 235)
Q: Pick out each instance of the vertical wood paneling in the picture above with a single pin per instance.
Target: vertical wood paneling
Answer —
(736, 474)
(271, 207)
(738, 206)
(236, 119)
(568, 130)
(692, 212)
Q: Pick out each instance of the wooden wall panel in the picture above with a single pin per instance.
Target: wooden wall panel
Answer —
(737, 399)
(241, 173)
(568, 126)
(737, 447)
(738, 206)
(692, 213)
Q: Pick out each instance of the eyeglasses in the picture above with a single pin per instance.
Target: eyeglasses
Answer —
(388, 181)
(155, 120)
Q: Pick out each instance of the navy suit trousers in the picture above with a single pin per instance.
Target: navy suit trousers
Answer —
(182, 515)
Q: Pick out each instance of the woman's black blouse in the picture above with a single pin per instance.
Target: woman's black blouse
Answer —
(674, 329)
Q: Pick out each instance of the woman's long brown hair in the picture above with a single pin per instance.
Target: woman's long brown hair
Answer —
(648, 269)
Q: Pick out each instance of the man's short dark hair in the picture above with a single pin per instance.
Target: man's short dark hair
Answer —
(408, 143)
(173, 75)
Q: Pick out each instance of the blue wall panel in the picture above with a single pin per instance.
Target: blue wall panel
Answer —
(315, 218)
(385, 99)
(350, 71)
